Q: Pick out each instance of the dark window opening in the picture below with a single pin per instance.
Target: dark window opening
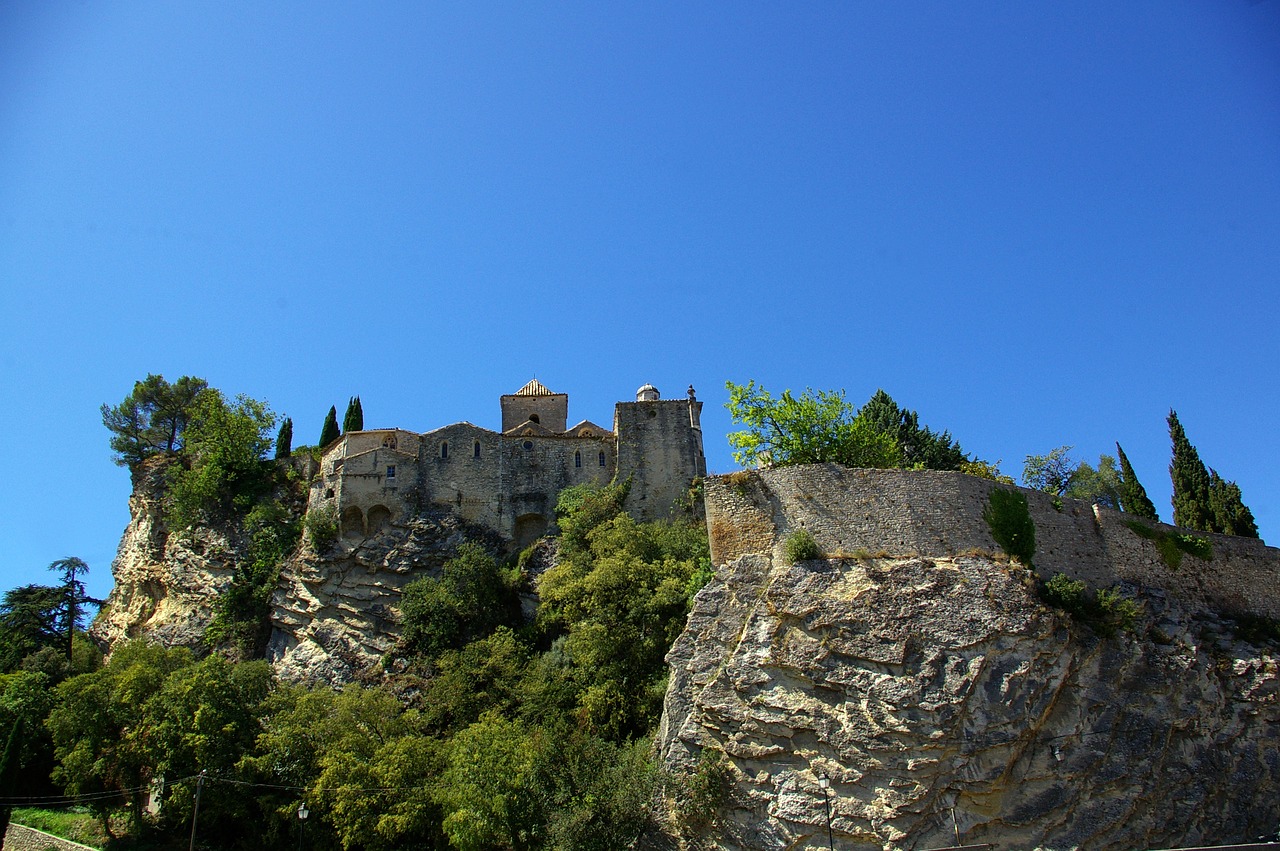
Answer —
(391, 471)
(475, 450)
(533, 418)
(577, 459)
(601, 459)
(528, 444)
(444, 450)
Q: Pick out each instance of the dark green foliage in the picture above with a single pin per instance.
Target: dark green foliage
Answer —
(73, 598)
(284, 439)
(1050, 473)
(240, 618)
(1191, 508)
(1172, 545)
(353, 419)
(1010, 523)
(1061, 475)
(329, 431)
(472, 597)
(30, 619)
(1230, 515)
(152, 419)
(581, 508)
(801, 546)
(1256, 629)
(920, 446)
(701, 796)
(1133, 496)
(322, 528)
(1105, 612)
(224, 470)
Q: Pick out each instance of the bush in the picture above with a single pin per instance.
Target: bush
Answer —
(1172, 545)
(1105, 612)
(322, 528)
(1010, 523)
(801, 546)
(700, 796)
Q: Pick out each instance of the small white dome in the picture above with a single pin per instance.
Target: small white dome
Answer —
(648, 393)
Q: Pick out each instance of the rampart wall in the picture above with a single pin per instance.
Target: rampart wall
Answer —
(20, 838)
(933, 513)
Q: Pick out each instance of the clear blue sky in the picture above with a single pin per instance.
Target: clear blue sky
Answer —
(1036, 224)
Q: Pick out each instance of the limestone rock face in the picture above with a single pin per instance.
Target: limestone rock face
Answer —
(923, 687)
(165, 584)
(335, 616)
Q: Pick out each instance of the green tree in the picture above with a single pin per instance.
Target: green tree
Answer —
(1100, 485)
(73, 598)
(490, 790)
(329, 431)
(224, 470)
(1230, 515)
(471, 598)
(241, 613)
(1133, 496)
(814, 427)
(920, 446)
(1191, 501)
(29, 620)
(1050, 473)
(353, 420)
(284, 439)
(151, 419)
(25, 700)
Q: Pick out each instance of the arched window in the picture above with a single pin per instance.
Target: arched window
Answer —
(475, 450)
(601, 459)
(533, 418)
(577, 459)
(444, 450)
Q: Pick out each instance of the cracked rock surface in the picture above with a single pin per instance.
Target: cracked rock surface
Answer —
(926, 686)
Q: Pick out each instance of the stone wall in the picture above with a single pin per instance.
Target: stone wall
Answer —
(932, 513)
(660, 448)
(20, 838)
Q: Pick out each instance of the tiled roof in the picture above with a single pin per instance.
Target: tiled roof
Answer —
(534, 388)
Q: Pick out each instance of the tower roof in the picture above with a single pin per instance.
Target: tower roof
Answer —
(534, 388)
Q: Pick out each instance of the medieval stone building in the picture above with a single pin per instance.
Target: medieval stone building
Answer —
(509, 479)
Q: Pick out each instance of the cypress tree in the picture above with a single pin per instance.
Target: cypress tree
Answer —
(1133, 496)
(1191, 508)
(1231, 516)
(284, 440)
(329, 431)
(353, 420)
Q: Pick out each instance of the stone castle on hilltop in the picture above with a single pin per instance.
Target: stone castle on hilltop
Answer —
(508, 480)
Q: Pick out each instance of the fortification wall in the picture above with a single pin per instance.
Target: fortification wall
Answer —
(21, 838)
(938, 514)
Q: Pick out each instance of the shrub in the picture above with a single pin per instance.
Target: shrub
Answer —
(1010, 523)
(801, 546)
(1104, 612)
(322, 528)
(700, 796)
(1172, 545)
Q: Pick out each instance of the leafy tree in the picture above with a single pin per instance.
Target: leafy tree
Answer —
(284, 439)
(1050, 473)
(814, 427)
(25, 700)
(490, 790)
(985, 470)
(920, 446)
(224, 469)
(1191, 502)
(152, 419)
(1133, 496)
(1230, 515)
(484, 676)
(329, 431)
(353, 420)
(1100, 485)
(241, 612)
(471, 598)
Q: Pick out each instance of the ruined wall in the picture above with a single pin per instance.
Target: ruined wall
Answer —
(934, 513)
(660, 448)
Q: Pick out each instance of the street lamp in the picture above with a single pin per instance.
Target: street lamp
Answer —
(303, 812)
(825, 783)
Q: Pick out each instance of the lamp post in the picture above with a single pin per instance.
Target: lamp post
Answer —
(825, 783)
(303, 812)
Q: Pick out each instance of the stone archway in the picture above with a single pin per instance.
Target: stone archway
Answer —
(379, 519)
(352, 522)
(529, 528)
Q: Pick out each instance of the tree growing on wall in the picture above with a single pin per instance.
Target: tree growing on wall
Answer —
(353, 420)
(1191, 506)
(284, 439)
(329, 431)
(1133, 496)
(813, 427)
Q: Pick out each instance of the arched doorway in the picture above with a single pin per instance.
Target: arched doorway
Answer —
(352, 522)
(529, 528)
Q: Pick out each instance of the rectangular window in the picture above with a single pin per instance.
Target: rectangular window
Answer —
(391, 471)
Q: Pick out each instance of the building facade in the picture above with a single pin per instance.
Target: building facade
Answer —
(508, 480)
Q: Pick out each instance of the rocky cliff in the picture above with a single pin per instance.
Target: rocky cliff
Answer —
(927, 685)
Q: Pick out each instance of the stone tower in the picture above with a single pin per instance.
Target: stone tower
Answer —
(660, 448)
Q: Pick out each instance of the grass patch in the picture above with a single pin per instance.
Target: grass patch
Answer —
(1172, 545)
(740, 481)
(1011, 524)
(1105, 612)
(801, 546)
(74, 824)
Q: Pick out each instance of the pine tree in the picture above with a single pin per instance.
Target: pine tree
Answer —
(329, 431)
(1133, 496)
(1231, 516)
(353, 420)
(1191, 507)
(284, 439)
